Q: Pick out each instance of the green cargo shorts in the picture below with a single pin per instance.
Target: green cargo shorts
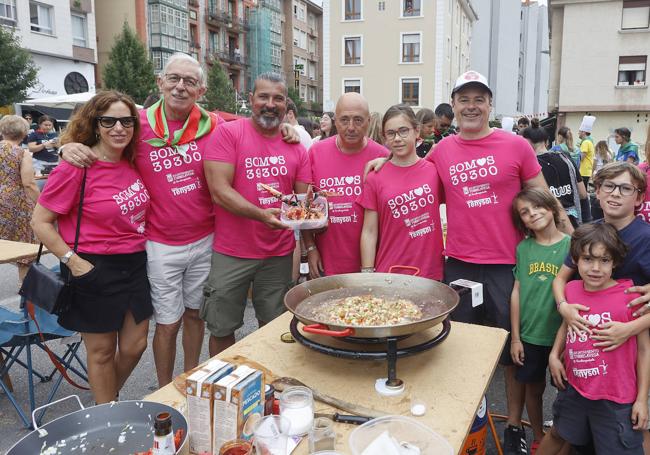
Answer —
(224, 294)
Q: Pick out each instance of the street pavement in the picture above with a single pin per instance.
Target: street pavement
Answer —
(143, 380)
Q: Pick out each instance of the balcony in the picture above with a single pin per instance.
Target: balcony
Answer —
(234, 23)
(194, 3)
(81, 6)
(230, 58)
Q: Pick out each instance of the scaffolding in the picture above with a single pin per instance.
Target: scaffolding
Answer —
(263, 41)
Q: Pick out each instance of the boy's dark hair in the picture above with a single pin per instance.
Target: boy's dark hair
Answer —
(589, 235)
(291, 106)
(523, 122)
(535, 196)
(535, 133)
(616, 168)
(445, 110)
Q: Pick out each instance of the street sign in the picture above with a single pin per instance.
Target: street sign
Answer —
(299, 66)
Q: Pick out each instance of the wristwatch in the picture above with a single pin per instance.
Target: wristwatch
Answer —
(66, 257)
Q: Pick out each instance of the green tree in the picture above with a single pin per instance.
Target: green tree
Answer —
(129, 68)
(294, 94)
(220, 93)
(18, 72)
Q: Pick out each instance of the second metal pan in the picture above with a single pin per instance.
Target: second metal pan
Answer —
(435, 299)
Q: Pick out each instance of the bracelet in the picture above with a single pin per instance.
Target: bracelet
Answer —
(559, 304)
(310, 248)
(367, 269)
(60, 151)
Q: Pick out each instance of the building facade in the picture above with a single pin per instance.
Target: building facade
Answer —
(534, 59)
(397, 51)
(59, 34)
(302, 52)
(599, 65)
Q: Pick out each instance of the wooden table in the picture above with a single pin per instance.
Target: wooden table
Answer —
(12, 251)
(451, 378)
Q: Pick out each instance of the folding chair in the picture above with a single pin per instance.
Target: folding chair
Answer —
(18, 334)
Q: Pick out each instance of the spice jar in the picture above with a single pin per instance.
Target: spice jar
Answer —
(269, 396)
(236, 447)
(297, 405)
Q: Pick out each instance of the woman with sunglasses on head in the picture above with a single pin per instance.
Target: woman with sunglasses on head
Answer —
(401, 225)
(111, 302)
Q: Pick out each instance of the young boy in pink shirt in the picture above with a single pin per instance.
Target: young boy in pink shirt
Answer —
(603, 394)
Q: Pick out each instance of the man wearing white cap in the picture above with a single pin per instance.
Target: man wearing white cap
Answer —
(482, 169)
(587, 149)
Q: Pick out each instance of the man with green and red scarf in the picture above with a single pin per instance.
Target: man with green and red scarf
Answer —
(175, 134)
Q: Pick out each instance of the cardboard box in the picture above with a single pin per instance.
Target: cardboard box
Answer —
(238, 404)
(198, 388)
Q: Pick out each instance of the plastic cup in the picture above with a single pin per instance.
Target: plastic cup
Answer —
(271, 434)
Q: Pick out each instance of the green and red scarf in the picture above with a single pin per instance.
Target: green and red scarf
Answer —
(199, 123)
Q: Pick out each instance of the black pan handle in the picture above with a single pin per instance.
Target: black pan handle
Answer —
(460, 290)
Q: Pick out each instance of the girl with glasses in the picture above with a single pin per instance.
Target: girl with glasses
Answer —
(401, 224)
(111, 303)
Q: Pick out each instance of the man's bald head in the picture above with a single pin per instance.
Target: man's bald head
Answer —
(352, 101)
(352, 120)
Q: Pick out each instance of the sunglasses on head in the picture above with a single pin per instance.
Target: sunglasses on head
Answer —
(109, 122)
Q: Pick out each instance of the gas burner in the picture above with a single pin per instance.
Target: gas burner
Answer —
(391, 385)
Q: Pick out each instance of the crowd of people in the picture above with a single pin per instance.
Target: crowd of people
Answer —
(159, 214)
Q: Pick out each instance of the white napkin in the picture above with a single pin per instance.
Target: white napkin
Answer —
(385, 444)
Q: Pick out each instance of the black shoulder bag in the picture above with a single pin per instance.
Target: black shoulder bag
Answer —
(46, 288)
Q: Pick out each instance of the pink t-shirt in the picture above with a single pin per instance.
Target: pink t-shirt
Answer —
(257, 159)
(643, 211)
(481, 178)
(181, 209)
(114, 207)
(333, 170)
(594, 373)
(407, 202)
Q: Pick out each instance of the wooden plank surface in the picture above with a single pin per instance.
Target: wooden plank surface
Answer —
(451, 378)
(12, 251)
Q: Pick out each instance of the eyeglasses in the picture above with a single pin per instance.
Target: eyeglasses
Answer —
(356, 121)
(109, 122)
(174, 79)
(403, 133)
(626, 189)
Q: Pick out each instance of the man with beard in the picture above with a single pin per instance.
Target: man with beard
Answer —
(337, 165)
(250, 242)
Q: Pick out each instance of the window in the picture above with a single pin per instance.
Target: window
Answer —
(411, 8)
(40, 17)
(352, 10)
(303, 92)
(8, 12)
(311, 70)
(213, 42)
(351, 85)
(632, 70)
(312, 45)
(311, 94)
(299, 38)
(79, 34)
(410, 91)
(352, 46)
(636, 14)
(411, 47)
(381, 6)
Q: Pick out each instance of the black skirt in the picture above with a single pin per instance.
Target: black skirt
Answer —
(118, 283)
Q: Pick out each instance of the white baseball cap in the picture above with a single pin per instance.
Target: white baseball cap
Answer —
(471, 77)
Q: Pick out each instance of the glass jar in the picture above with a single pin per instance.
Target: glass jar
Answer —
(297, 405)
(322, 435)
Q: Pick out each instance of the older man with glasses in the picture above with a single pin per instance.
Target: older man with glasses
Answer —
(337, 165)
(176, 133)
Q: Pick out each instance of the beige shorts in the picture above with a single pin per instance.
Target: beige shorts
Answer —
(227, 287)
(177, 274)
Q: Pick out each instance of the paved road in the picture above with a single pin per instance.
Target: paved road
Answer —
(143, 380)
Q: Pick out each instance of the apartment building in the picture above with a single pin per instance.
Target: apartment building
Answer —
(302, 52)
(264, 46)
(599, 64)
(396, 51)
(209, 30)
(59, 34)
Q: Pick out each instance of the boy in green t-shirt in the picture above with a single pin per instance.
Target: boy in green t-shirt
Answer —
(533, 315)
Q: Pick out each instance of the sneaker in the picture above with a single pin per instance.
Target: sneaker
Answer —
(534, 446)
(514, 441)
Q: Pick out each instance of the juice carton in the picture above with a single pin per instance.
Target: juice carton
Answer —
(198, 387)
(238, 404)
